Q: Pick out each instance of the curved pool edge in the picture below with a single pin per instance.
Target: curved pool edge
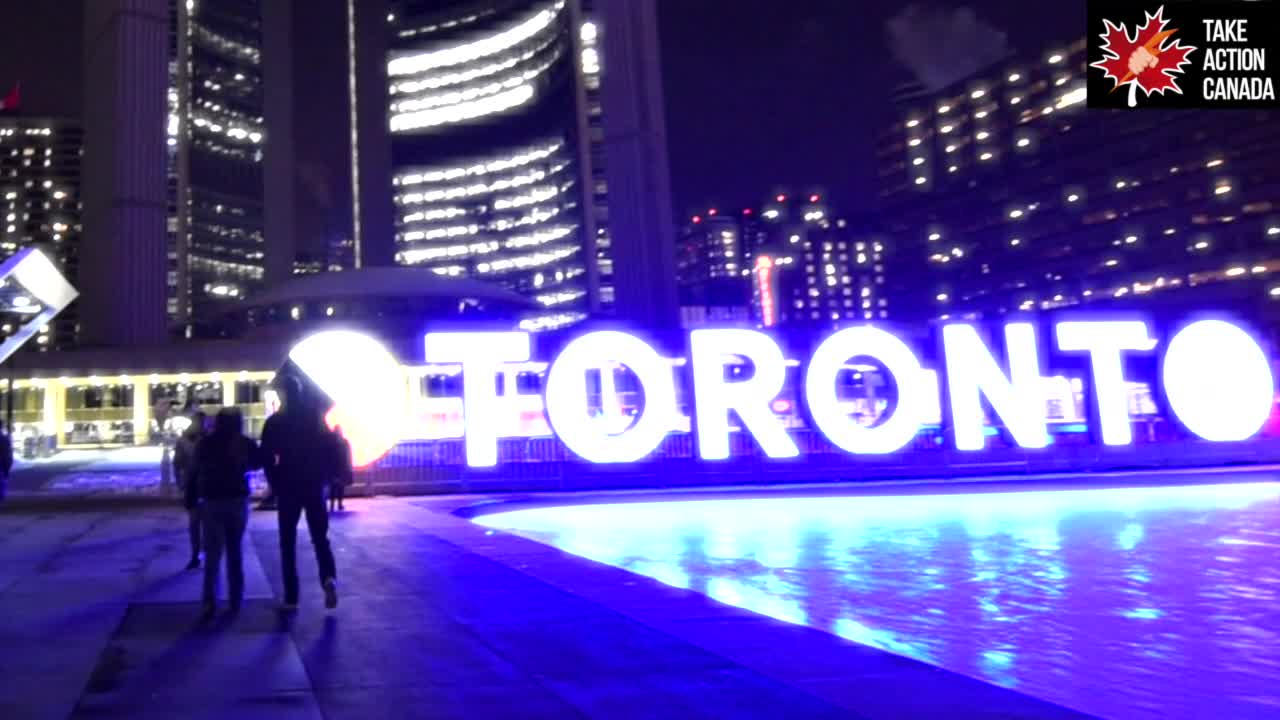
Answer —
(763, 654)
(1179, 491)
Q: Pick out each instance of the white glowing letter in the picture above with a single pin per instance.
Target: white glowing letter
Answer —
(366, 385)
(1218, 381)
(972, 372)
(481, 355)
(566, 397)
(1105, 341)
(714, 397)
(833, 419)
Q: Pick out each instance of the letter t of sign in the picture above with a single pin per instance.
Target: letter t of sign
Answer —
(481, 355)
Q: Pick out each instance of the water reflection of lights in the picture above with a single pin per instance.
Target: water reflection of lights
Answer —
(1110, 601)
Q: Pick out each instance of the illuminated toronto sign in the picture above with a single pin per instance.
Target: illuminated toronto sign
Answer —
(1212, 376)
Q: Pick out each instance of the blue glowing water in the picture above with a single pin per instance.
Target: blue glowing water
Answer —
(1158, 602)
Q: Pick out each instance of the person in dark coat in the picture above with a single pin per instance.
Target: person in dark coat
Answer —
(339, 482)
(184, 467)
(6, 460)
(303, 456)
(224, 460)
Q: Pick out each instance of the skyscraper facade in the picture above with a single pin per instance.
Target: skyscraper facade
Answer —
(495, 125)
(1004, 194)
(712, 281)
(481, 151)
(216, 141)
(40, 203)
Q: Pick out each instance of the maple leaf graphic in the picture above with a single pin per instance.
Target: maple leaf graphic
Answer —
(1117, 47)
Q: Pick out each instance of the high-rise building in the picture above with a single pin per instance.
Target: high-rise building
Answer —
(711, 247)
(811, 271)
(40, 203)
(498, 163)
(493, 176)
(711, 275)
(1003, 194)
(216, 139)
(789, 260)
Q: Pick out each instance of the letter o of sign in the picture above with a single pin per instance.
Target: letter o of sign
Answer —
(834, 421)
(1218, 381)
(566, 397)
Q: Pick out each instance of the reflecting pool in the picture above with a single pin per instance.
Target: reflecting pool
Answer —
(1120, 602)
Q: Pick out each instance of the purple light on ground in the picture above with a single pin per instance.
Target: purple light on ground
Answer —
(1152, 602)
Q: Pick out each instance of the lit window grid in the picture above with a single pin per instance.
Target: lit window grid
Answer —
(1142, 281)
(522, 222)
(1262, 227)
(418, 62)
(221, 44)
(525, 226)
(473, 93)
(39, 202)
(918, 126)
(1076, 196)
(460, 77)
(463, 112)
(518, 158)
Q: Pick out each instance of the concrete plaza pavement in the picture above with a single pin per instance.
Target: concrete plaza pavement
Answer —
(439, 618)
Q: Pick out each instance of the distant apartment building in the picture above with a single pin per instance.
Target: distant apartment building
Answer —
(40, 206)
(789, 260)
(1004, 194)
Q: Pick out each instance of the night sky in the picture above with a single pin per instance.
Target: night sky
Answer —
(40, 44)
(761, 94)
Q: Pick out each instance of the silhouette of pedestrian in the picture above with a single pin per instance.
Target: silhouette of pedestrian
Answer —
(6, 460)
(184, 468)
(166, 469)
(339, 482)
(303, 456)
(223, 461)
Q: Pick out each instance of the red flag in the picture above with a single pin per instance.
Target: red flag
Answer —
(13, 99)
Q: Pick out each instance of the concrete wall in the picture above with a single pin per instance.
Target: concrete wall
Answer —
(280, 163)
(124, 251)
(374, 211)
(641, 222)
(307, 158)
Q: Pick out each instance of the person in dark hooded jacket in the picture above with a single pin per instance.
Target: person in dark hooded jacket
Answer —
(303, 455)
(224, 460)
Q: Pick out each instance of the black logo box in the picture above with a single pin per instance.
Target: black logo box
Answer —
(1263, 31)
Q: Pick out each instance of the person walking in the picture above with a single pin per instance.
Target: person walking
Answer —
(224, 460)
(184, 467)
(6, 460)
(339, 482)
(303, 456)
